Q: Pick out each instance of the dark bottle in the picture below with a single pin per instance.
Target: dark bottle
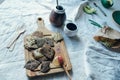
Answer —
(58, 16)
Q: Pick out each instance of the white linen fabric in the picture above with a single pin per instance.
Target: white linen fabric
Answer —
(14, 13)
(100, 63)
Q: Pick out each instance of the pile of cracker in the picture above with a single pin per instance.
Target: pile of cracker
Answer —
(41, 47)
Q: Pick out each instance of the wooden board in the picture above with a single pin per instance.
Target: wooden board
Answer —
(60, 45)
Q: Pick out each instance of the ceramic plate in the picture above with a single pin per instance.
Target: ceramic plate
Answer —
(116, 16)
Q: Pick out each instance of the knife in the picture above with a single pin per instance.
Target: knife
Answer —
(100, 9)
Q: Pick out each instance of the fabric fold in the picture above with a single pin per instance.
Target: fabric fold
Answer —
(100, 63)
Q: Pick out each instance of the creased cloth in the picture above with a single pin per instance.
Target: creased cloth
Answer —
(14, 13)
(100, 63)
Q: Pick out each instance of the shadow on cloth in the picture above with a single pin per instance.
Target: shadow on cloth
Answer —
(1, 1)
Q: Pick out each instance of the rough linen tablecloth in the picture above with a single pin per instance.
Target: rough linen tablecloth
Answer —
(100, 63)
(14, 13)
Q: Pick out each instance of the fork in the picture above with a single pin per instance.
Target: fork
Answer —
(19, 30)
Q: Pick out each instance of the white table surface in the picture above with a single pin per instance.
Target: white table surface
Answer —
(14, 13)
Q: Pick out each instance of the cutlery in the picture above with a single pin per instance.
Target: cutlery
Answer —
(100, 9)
(20, 30)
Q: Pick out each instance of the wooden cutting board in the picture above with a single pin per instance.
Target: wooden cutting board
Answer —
(60, 45)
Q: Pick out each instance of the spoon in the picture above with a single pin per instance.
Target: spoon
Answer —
(57, 2)
(20, 30)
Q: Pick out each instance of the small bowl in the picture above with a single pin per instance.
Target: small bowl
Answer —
(116, 16)
(70, 29)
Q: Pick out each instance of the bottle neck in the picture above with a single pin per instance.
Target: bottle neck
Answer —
(59, 9)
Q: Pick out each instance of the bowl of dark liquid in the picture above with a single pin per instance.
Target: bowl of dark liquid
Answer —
(70, 29)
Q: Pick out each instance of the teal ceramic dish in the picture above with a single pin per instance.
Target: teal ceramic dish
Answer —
(116, 16)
